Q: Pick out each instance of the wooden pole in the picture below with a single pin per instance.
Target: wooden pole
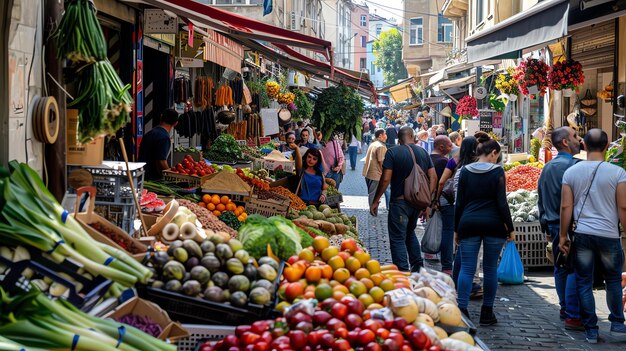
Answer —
(144, 229)
(547, 139)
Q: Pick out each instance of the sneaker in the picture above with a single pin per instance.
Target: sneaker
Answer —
(487, 317)
(574, 324)
(618, 329)
(563, 315)
(592, 336)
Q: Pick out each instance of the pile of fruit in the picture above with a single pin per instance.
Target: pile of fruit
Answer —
(324, 271)
(193, 168)
(530, 162)
(216, 271)
(522, 177)
(253, 180)
(327, 220)
(219, 205)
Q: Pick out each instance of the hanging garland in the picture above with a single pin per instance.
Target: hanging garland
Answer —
(303, 106)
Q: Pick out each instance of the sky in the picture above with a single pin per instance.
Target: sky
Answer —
(385, 8)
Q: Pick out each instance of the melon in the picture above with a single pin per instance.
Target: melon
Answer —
(449, 314)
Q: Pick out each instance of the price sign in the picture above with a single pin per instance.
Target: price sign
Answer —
(251, 142)
(264, 140)
(486, 121)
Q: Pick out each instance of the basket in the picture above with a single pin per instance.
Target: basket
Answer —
(266, 208)
(531, 244)
(191, 181)
(334, 200)
(201, 333)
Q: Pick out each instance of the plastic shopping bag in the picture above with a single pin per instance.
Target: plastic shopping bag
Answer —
(511, 269)
(431, 242)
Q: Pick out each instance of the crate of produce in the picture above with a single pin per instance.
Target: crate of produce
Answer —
(179, 156)
(111, 180)
(229, 184)
(186, 180)
(201, 333)
(531, 244)
(267, 208)
(80, 290)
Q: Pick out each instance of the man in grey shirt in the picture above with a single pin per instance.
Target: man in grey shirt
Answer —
(593, 201)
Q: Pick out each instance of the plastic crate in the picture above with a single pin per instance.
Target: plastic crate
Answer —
(121, 214)
(201, 333)
(531, 244)
(266, 208)
(111, 181)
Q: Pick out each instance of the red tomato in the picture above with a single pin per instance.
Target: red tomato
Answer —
(339, 310)
(382, 333)
(366, 336)
(341, 333)
(298, 339)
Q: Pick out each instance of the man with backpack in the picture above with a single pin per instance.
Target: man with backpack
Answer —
(409, 170)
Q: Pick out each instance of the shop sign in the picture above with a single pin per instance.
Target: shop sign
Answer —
(264, 140)
(251, 143)
(486, 120)
(189, 62)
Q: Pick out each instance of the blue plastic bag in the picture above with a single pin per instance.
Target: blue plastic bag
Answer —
(511, 269)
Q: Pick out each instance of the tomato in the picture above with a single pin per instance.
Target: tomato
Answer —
(339, 310)
(382, 333)
(208, 347)
(341, 345)
(299, 317)
(298, 338)
(373, 346)
(321, 318)
(249, 338)
(419, 340)
(261, 346)
(372, 324)
(399, 323)
(259, 327)
(335, 324)
(327, 340)
(397, 336)
(341, 333)
(391, 345)
(366, 336)
(231, 340)
(353, 321)
(304, 326)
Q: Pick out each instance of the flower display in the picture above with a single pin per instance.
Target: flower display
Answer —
(506, 83)
(467, 107)
(292, 107)
(286, 98)
(272, 89)
(532, 72)
(567, 74)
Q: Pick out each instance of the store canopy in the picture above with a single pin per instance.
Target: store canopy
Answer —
(544, 22)
(237, 26)
(399, 91)
(454, 83)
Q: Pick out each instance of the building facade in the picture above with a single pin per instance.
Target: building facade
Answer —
(377, 25)
(360, 28)
(338, 22)
(427, 36)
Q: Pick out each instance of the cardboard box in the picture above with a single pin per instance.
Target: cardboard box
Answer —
(140, 307)
(89, 154)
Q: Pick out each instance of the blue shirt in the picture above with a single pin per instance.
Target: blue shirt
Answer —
(311, 187)
(549, 188)
(154, 147)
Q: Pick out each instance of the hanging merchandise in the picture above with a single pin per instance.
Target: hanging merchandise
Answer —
(203, 92)
(224, 96)
(182, 90)
(238, 130)
(532, 76)
(247, 96)
(79, 36)
(188, 124)
(237, 90)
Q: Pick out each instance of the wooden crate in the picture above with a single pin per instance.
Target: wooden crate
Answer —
(192, 181)
(267, 208)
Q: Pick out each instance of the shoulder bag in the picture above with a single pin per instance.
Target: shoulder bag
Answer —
(569, 259)
(416, 186)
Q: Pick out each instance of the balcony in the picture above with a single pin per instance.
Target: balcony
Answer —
(455, 8)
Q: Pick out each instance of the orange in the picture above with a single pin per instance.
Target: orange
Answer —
(201, 204)
(373, 266)
(338, 295)
(374, 306)
(309, 295)
(357, 288)
(217, 213)
(206, 198)
(386, 285)
(237, 212)
(210, 206)
(351, 263)
(377, 294)
(368, 283)
(241, 218)
(215, 199)
(336, 262)
(341, 288)
(220, 207)
(341, 275)
(327, 272)
(240, 208)
(313, 274)
(323, 291)
(245, 216)
(361, 273)
(366, 299)
(320, 243)
(292, 274)
(306, 255)
(329, 252)
(231, 207)
(224, 200)
(362, 256)
(377, 278)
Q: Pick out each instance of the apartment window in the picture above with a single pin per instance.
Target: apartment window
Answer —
(444, 29)
(481, 10)
(416, 31)
(363, 41)
(230, 2)
(379, 29)
(362, 63)
(363, 20)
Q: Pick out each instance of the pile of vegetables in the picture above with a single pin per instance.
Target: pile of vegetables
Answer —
(30, 321)
(169, 189)
(215, 270)
(296, 202)
(104, 103)
(304, 106)
(338, 110)
(530, 162)
(143, 323)
(523, 205)
(284, 238)
(224, 149)
(31, 216)
(522, 177)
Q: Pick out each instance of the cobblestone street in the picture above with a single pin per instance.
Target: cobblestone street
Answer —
(528, 314)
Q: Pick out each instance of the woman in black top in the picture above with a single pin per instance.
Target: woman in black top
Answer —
(482, 216)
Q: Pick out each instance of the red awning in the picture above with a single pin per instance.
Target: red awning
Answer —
(237, 26)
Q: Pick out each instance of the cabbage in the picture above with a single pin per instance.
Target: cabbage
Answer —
(280, 233)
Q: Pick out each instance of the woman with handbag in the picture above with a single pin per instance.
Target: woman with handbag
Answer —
(482, 216)
(333, 161)
(312, 186)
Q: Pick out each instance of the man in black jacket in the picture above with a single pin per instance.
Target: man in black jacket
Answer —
(550, 183)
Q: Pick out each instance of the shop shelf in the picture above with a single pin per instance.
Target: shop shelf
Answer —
(531, 244)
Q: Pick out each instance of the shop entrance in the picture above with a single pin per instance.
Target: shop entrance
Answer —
(156, 86)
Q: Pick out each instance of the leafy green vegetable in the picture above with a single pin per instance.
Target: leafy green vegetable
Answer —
(304, 105)
(224, 149)
(230, 219)
(338, 110)
(280, 233)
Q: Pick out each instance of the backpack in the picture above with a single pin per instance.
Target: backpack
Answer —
(416, 186)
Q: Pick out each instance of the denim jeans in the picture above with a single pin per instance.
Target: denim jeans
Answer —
(469, 249)
(336, 176)
(564, 281)
(587, 247)
(352, 151)
(447, 237)
(403, 242)
(372, 185)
